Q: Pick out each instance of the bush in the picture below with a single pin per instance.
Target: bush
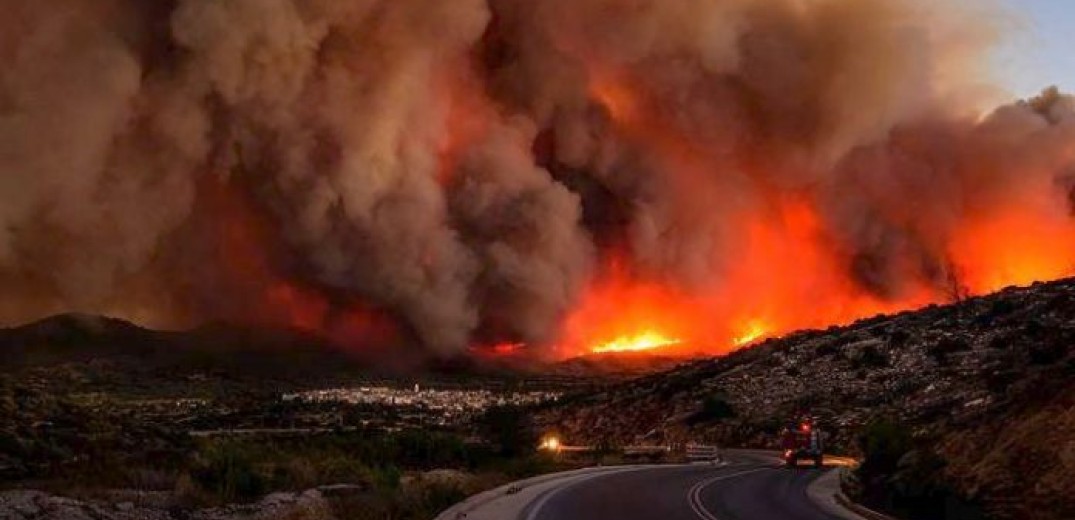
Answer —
(10, 444)
(509, 428)
(227, 471)
(1049, 350)
(828, 348)
(883, 443)
(535, 464)
(387, 477)
(871, 357)
(940, 350)
(433, 498)
(422, 449)
(421, 502)
(714, 408)
(899, 338)
(997, 310)
(906, 478)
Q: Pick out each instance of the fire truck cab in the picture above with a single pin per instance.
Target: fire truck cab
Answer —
(803, 441)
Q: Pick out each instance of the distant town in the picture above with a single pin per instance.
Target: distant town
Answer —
(445, 406)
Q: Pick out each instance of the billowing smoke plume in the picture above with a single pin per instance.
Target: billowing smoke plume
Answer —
(548, 173)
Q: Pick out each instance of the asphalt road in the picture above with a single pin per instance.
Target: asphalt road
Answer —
(751, 488)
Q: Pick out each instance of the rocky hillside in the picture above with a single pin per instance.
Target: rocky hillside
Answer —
(35, 505)
(986, 383)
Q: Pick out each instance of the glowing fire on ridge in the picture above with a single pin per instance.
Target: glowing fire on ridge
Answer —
(648, 340)
(755, 330)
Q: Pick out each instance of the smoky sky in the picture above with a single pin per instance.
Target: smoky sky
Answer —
(466, 168)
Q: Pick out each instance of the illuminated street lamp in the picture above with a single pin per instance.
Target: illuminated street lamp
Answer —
(550, 443)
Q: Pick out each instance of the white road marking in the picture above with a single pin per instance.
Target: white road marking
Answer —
(694, 496)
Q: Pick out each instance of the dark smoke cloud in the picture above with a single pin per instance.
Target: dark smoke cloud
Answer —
(465, 166)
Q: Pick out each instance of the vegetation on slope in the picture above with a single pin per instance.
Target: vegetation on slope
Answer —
(976, 396)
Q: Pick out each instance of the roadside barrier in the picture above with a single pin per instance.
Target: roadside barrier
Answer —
(702, 452)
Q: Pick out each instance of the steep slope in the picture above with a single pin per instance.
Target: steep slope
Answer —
(987, 382)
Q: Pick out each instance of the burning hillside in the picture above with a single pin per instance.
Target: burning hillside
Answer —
(561, 177)
(983, 386)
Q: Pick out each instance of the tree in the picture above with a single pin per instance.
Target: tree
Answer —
(510, 429)
(883, 443)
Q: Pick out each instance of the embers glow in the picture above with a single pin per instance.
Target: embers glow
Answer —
(645, 341)
(507, 349)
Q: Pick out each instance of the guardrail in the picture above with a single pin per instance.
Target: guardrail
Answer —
(701, 452)
(693, 452)
(643, 451)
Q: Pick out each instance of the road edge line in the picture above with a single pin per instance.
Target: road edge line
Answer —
(823, 489)
(860, 509)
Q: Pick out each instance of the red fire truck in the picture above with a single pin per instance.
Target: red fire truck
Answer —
(803, 441)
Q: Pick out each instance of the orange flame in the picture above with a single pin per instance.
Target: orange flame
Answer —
(1014, 248)
(755, 330)
(787, 276)
(622, 314)
(648, 340)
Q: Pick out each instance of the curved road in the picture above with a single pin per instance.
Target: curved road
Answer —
(752, 487)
